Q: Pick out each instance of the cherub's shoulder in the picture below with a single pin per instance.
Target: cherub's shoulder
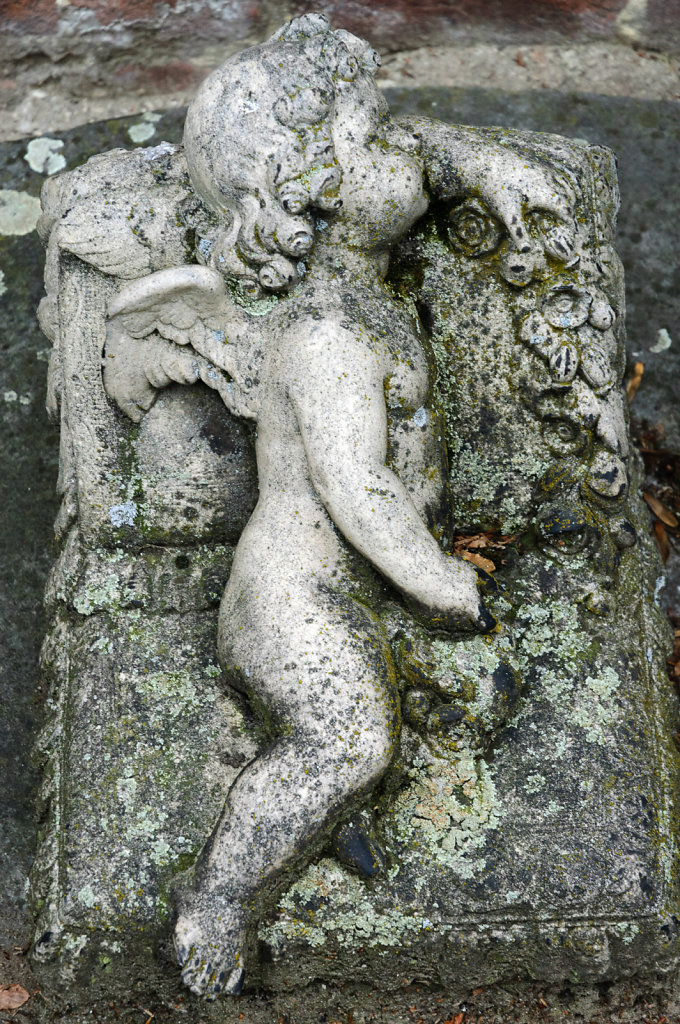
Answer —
(327, 343)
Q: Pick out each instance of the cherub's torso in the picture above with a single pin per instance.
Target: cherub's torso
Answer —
(383, 331)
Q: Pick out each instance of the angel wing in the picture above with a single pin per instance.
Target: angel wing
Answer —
(179, 325)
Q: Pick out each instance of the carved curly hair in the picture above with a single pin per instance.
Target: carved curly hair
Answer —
(260, 152)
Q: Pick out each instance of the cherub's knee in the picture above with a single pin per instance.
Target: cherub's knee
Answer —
(376, 746)
(359, 755)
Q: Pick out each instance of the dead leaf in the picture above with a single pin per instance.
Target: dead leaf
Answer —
(661, 539)
(659, 510)
(482, 563)
(12, 997)
(635, 381)
(478, 540)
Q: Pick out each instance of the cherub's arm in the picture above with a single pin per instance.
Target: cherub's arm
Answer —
(462, 161)
(337, 389)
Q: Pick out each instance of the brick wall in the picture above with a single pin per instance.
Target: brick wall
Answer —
(398, 24)
(61, 26)
(127, 47)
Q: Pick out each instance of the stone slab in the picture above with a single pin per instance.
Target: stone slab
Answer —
(632, 128)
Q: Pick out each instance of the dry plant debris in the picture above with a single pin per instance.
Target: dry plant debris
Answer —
(12, 997)
(470, 548)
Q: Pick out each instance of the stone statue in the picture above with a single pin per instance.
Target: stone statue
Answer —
(420, 321)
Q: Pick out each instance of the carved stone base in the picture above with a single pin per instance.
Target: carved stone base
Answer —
(552, 856)
(541, 843)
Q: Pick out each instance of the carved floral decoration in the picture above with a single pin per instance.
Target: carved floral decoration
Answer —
(570, 327)
(472, 230)
(572, 331)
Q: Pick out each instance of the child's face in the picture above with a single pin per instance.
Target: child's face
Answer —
(382, 176)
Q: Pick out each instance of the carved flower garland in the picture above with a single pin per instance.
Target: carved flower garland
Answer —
(571, 328)
(572, 332)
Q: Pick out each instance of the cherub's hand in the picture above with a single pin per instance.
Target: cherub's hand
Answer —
(458, 608)
(513, 186)
(518, 191)
(532, 202)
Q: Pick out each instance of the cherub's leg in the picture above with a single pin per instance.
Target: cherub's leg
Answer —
(335, 703)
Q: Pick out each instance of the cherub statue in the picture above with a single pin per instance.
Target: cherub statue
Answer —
(306, 185)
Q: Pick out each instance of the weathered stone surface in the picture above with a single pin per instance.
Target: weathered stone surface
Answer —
(647, 188)
(637, 152)
(29, 470)
(541, 856)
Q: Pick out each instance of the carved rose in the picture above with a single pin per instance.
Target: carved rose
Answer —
(472, 229)
(564, 436)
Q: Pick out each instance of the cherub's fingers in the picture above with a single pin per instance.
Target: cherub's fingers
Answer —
(534, 190)
(507, 204)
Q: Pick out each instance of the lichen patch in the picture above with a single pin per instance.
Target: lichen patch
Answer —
(19, 212)
(44, 155)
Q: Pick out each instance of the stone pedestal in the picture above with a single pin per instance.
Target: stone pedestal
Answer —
(553, 854)
(546, 849)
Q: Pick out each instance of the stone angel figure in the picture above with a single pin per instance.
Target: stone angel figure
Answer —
(306, 185)
(299, 187)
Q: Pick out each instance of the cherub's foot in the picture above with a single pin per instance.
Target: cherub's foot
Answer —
(355, 846)
(208, 939)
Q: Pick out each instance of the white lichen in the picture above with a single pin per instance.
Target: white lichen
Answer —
(124, 514)
(44, 155)
(19, 212)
